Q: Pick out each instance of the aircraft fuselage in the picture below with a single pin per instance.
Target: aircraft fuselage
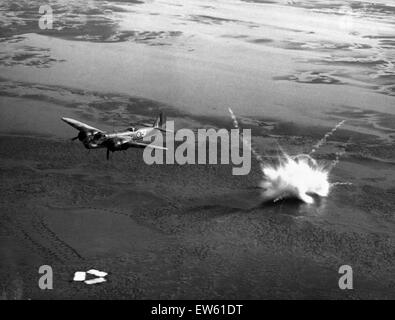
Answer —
(109, 140)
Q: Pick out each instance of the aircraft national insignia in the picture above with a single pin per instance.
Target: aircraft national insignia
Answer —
(139, 134)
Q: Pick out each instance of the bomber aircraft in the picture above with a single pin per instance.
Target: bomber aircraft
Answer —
(93, 138)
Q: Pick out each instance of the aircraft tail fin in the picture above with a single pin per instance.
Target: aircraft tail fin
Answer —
(160, 123)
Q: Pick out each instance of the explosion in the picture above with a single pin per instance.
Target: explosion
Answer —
(299, 176)
(295, 177)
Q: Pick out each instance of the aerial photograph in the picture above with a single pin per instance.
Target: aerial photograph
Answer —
(197, 150)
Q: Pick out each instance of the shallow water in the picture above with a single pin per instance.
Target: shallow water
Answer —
(289, 60)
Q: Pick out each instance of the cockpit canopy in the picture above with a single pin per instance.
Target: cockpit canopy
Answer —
(132, 129)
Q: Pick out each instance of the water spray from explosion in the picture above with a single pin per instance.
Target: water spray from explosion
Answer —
(299, 176)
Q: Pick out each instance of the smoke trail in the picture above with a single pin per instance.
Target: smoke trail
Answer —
(257, 156)
(235, 122)
(297, 176)
(341, 184)
(326, 136)
(339, 154)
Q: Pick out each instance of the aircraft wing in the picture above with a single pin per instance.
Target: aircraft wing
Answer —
(140, 144)
(80, 125)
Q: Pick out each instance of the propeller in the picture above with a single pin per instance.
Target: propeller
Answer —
(113, 144)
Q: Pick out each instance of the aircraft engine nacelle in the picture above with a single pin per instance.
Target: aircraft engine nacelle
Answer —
(82, 135)
(116, 145)
(88, 139)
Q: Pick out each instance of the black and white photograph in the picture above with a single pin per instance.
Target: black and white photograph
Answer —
(200, 150)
